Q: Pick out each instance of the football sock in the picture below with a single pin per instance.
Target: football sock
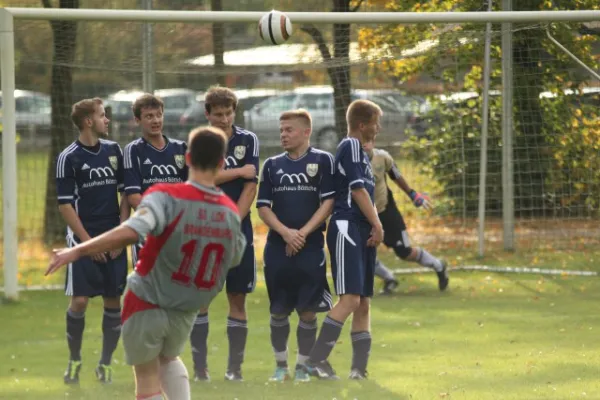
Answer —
(361, 347)
(330, 332)
(174, 380)
(75, 327)
(199, 340)
(383, 272)
(237, 332)
(429, 261)
(111, 331)
(280, 331)
(307, 336)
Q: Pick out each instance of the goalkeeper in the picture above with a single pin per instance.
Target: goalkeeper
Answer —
(393, 224)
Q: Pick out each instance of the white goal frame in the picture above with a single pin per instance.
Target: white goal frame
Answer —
(7, 66)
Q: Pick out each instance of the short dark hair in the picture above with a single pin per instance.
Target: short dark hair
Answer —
(361, 112)
(219, 96)
(207, 146)
(300, 114)
(146, 100)
(84, 109)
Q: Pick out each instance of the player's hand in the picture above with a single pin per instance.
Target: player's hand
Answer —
(115, 253)
(61, 257)
(248, 171)
(100, 258)
(289, 251)
(421, 200)
(295, 239)
(376, 236)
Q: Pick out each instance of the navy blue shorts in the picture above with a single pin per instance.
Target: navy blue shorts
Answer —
(352, 262)
(298, 282)
(242, 279)
(85, 277)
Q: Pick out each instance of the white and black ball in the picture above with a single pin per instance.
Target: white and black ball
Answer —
(275, 27)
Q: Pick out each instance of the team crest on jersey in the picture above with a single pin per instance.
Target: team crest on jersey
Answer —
(179, 160)
(312, 169)
(239, 152)
(114, 163)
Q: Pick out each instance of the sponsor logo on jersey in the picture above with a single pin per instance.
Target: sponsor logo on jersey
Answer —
(101, 172)
(294, 178)
(179, 160)
(230, 162)
(239, 152)
(147, 162)
(279, 172)
(85, 166)
(163, 170)
(114, 163)
(312, 169)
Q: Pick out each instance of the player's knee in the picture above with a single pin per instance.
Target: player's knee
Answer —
(307, 316)
(112, 302)
(350, 302)
(402, 251)
(364, 308)
(237, 303)
(78, 303)
(279, 316)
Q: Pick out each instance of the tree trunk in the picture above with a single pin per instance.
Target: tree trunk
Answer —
(218, 43)
(62, 133)
(339, 73)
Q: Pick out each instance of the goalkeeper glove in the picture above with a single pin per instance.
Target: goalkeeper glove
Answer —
(420, 199)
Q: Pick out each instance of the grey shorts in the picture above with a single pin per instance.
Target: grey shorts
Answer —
(149, 331)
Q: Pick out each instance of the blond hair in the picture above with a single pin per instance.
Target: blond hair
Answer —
(361, 112)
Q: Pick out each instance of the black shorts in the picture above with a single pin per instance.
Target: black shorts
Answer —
(85, 277)
(242, 279)
(393, 224)
(352, 261)
(298, 282)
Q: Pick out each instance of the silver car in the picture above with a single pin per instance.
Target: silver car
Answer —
(263, 118)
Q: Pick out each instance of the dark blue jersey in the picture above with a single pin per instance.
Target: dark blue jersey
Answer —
(90, 178)
(294, 189)
(242, 149)
(352, 171)
(146, 165)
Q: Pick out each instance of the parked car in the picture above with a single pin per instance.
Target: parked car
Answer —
(32, 118)
(247, 98)
(176, 101)
(263, 118)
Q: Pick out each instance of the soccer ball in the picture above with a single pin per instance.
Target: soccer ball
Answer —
(275, 27)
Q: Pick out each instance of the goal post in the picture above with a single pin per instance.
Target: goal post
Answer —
(9, 15)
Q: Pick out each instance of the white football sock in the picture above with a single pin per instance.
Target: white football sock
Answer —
(174, 380)
(429, 261)
(383, 272)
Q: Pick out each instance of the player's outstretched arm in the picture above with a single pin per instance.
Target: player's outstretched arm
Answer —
(72, 219)
(114, 239)
(134, 200)
(362, 198)
(418, 199)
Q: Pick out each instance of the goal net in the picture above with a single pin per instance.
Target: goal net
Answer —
(428, 79)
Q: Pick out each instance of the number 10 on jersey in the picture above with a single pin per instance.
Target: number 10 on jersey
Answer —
(210, 262)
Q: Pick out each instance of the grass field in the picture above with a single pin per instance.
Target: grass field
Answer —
(488, 337)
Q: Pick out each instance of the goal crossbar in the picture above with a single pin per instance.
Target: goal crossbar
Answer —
(7, 66)
(303, 17)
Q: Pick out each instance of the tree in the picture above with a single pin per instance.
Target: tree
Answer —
(61, 91)
(338, 64)
(546, 130)
(218, 33)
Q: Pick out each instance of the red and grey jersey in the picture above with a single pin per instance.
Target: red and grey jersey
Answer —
(192, 239)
